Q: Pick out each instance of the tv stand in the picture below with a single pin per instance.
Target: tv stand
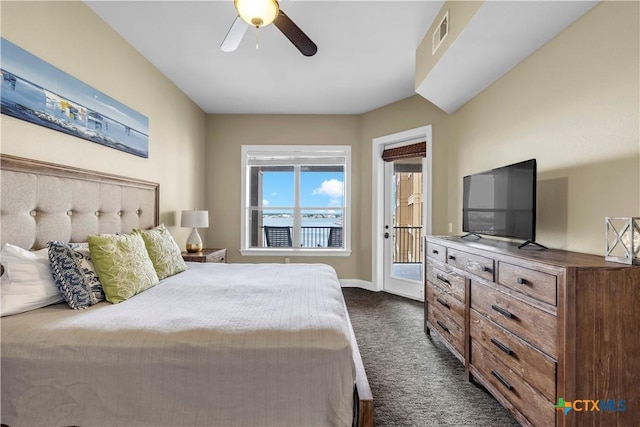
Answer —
(528, 325)
(528, 242)
(531, 242)
(471, 234)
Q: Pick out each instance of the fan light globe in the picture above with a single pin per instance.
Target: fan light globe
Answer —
(257, 12)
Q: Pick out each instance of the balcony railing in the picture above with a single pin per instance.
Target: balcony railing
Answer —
(321, 237)
(315, 236)
(407, 246)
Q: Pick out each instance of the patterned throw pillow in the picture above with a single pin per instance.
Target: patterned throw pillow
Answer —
(163, 251)
(75, 274)
(123, 265)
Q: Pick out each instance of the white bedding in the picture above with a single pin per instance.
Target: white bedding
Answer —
(217, 345)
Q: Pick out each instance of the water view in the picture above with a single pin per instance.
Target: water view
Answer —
(313, 220)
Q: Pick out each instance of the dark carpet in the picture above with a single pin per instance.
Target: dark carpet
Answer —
(414, 379)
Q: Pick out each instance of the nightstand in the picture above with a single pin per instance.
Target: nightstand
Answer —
(206, 255)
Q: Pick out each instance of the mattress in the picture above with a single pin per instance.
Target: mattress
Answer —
(216, 345)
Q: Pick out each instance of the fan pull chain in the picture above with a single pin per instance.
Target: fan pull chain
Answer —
(257, 38)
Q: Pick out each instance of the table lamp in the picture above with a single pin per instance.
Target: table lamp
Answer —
(194, 219)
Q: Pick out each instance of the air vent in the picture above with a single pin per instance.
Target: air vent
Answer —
(440, 33)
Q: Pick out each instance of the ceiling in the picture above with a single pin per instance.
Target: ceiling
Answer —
(498, 37)
(366, 51)
(365, 59)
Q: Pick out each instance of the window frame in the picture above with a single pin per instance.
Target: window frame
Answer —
(310, 151)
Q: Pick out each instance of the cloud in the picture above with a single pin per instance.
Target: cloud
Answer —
(332, 188)
(265, 202)
(274, 194)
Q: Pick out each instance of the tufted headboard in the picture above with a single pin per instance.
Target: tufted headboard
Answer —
(43, 201)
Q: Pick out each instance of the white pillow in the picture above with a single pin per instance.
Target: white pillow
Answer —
(27, 282)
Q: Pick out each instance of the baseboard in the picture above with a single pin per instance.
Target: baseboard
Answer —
(400, 294)
(357, 283)
(363, 284)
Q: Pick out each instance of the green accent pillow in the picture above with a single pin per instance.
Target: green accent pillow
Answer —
(122, 264)
(163, 251)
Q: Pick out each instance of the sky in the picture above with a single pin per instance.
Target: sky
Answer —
(317, 189)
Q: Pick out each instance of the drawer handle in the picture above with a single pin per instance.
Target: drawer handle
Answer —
(502, 346)
(502, 380)
(443, 326)
(504, 312)
(442, 303)
(522, 281)
(443, 279)
(434, 251)
(451, 257)
(487, 269)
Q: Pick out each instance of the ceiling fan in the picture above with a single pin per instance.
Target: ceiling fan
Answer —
(259, 13)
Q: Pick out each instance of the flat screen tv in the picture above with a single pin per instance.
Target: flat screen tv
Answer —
(501, 202)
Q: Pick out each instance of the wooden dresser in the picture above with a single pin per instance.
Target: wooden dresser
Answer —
(534, 326)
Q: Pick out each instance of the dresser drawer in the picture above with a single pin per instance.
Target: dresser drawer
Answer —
(437, 252)
(534, 406)
(474, 264)
(533, 366)
(446, 303)
(535, 326)
(448, 329)
(443, 276)
(536, 284)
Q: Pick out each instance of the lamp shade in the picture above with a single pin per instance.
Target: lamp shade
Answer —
(194, 219)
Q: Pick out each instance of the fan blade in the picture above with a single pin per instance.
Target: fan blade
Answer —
(234, 35)
(295, 34)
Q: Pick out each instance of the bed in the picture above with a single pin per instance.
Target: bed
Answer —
(219, 344)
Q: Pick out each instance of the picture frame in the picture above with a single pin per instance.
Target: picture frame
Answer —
(37, 92)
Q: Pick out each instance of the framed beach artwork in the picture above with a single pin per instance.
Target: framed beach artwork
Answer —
(37, 92)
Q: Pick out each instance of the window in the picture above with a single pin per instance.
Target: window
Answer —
(295, 200)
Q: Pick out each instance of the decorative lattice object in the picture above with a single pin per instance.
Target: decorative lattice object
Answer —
(623, 239)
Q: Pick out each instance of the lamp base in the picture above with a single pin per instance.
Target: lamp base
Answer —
(194, 242)
(194, 248)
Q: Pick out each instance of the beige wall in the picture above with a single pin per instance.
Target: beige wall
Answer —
(574, 106)
(403, 115)
(71, 37)
(227, 133)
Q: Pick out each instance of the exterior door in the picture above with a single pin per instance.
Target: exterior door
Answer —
(403, 227)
